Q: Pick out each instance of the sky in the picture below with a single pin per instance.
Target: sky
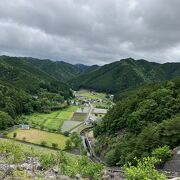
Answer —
(91, 31)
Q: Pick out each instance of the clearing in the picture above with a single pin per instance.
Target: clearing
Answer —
(36, 136)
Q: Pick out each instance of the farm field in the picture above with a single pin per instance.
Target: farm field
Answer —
(69, 125)
(37, 136)
(53, 120)
(79, 116)
(89, 94)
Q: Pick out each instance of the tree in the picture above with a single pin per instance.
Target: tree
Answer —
(55, 145)
(43, 143)
(68, 144)
(76, 140)
(5, 120)
(14, 134)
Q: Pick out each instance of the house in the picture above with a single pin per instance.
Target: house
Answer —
(25, 126)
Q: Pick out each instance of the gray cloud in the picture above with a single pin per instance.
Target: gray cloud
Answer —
(91, 31)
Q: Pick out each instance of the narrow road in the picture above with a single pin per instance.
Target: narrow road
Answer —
(89, 113)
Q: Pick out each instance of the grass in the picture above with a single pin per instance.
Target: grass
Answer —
(92, 95)
(36, 149)
(53, 120)
(37, 136)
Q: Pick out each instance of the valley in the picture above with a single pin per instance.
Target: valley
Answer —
(104, 122)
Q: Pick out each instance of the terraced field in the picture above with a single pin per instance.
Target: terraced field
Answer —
(53, 120)
(37, 136)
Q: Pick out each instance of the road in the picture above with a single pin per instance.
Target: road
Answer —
(89, 113)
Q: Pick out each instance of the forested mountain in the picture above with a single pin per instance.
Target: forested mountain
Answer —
(61, 70)
(24, 88)
(147, 119)
(126, 74)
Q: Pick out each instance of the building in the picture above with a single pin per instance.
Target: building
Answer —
(25, 126)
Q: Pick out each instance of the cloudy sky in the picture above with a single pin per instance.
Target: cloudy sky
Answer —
(91, 31)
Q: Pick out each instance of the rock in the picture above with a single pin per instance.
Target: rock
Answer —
(50, 175)
(62, 177)
(78, 176)
(26, 166)
(56, 169)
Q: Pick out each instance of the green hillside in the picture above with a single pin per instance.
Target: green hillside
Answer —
(147, 119)
(126, 74)
(61, 70)
(24, 88)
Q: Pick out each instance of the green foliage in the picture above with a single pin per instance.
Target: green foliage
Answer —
(55, 145)
(43, 143)
(137, 125)
(76, 140)
(145, 169)
(162, 153)
(24, 88)
(5, 120)
(65, 164)
(68, 144)
(90, 169)
(14, 153)
(126, 74)
(47, 160)
(14, 135)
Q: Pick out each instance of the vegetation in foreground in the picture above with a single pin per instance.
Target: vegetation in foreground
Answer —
(15, 154)
(137, 125)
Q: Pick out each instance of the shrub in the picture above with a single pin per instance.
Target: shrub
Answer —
(145, 169)
(14, 135)
(43, 143)
(47, 160)
(66, 133)
(55, 145)
(76, 140)
(162, 153)
(68, 144)
(5, 133)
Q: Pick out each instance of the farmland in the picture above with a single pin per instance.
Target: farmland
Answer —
(36, 136)
(91, 95)
(52, 121)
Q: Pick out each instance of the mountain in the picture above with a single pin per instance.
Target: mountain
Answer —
(24, 88)
(61, 70)
(126, 74)
(145, 120)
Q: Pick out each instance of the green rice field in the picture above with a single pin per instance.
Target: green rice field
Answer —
(53, 120)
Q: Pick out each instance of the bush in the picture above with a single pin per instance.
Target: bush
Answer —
(5, 133)
(76, 140)
(145, 169)
(68, 144)
(14, 135)
(43, 143)
(55, 145)
(66, 133)
(162, 153)
(47, 160)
